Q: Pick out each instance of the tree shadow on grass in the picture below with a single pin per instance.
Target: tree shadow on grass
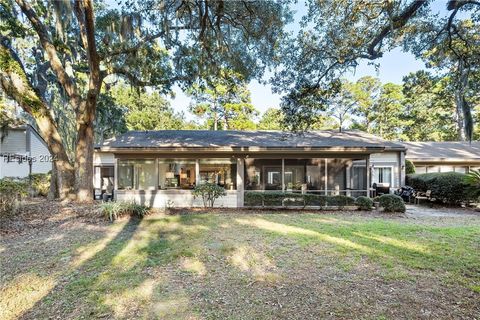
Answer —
(74, 285)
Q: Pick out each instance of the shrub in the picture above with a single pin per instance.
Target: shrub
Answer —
(293, 199)
(209, 192)
(11, 193)
(40, 183)
(364, 203)
(409, 167)
(115, 210)
(254, 198)
(311, 199)
(472, 179)
(340, 201)
(273, 198)
(392, 203)
(448, 187)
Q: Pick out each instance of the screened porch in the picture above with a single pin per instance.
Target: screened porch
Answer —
(328, 176)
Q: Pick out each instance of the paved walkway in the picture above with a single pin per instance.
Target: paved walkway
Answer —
(426, 211)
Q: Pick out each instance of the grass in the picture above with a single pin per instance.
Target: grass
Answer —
(245, 266)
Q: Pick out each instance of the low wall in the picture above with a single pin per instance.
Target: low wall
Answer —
(173, 198)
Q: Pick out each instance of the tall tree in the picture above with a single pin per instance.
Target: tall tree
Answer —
(224, 102)
(148, 43)
(271, 119)
(336, 35)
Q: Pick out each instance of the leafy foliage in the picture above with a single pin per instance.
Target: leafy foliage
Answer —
(391, 203)
(448, 187)
(409, 167)
(224, 102)
(40, 183)
(209, 192)
(115, 210)
(255, 198)
(473, 184)
(11, 192)
(364, 203)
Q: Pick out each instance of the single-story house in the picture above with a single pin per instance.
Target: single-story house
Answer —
(160, 168)
(444, 156)
(23, 151)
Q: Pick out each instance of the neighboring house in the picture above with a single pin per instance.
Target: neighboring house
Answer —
(444, 156)
(160, 168)
(22, 152)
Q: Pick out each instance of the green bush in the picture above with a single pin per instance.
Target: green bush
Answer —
(473, 184)
(311, 199)
(273, 198)
(409, 167)
(448, 187)
(209, 192)
(115, 210)
(294, 199)
(40, 183)
(11, 193)
(364, 203)
(391, 203)
(254, 198)
(340, 201)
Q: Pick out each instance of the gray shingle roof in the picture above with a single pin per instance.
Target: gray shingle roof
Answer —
(443, 150)
(244, 139)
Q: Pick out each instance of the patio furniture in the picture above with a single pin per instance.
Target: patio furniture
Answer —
(381, 188)
(423, 196)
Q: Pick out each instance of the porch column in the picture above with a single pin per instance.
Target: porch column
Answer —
(283, 174)
(197, 172)
(402, 169)
(326, 177)
(240, 182)
(115, 178)
(156, 174)
(367, 166)
(348, 178)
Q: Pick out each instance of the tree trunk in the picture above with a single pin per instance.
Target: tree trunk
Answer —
(15, 84)
(460, 102)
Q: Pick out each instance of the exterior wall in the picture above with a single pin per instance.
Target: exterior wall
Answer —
(103, 158)
(444, 166)
(173, 198)
(393, 159)
(14, 142)
(39, 151)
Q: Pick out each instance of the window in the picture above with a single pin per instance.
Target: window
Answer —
(176, 174)
(136, 174)
(222, 172)
(263, 174)
(461, 169)
(383, 175)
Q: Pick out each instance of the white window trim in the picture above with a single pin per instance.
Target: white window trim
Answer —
(392, 172)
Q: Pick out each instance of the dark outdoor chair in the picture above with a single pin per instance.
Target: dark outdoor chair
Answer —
(381, 188)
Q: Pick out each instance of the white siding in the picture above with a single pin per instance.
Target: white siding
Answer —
(14, 143)
(388, 159)
(100, 158)
(39, 152)
(173, 198)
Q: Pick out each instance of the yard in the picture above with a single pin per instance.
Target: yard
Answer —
(244, 266)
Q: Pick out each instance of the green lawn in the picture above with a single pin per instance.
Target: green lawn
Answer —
(245, 266)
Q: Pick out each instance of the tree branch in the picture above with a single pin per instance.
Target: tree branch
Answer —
(67, 83)
(396, 23)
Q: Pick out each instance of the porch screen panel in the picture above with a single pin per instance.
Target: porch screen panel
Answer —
(136, 174)
(176, 174)
(306, 174)
(336, 175)
(263, 174)
(222, 171)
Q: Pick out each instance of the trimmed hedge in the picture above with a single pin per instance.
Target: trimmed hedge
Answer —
(409, 167)
(447, 187)
(392, 203)
(255, 198)
(364, 203)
